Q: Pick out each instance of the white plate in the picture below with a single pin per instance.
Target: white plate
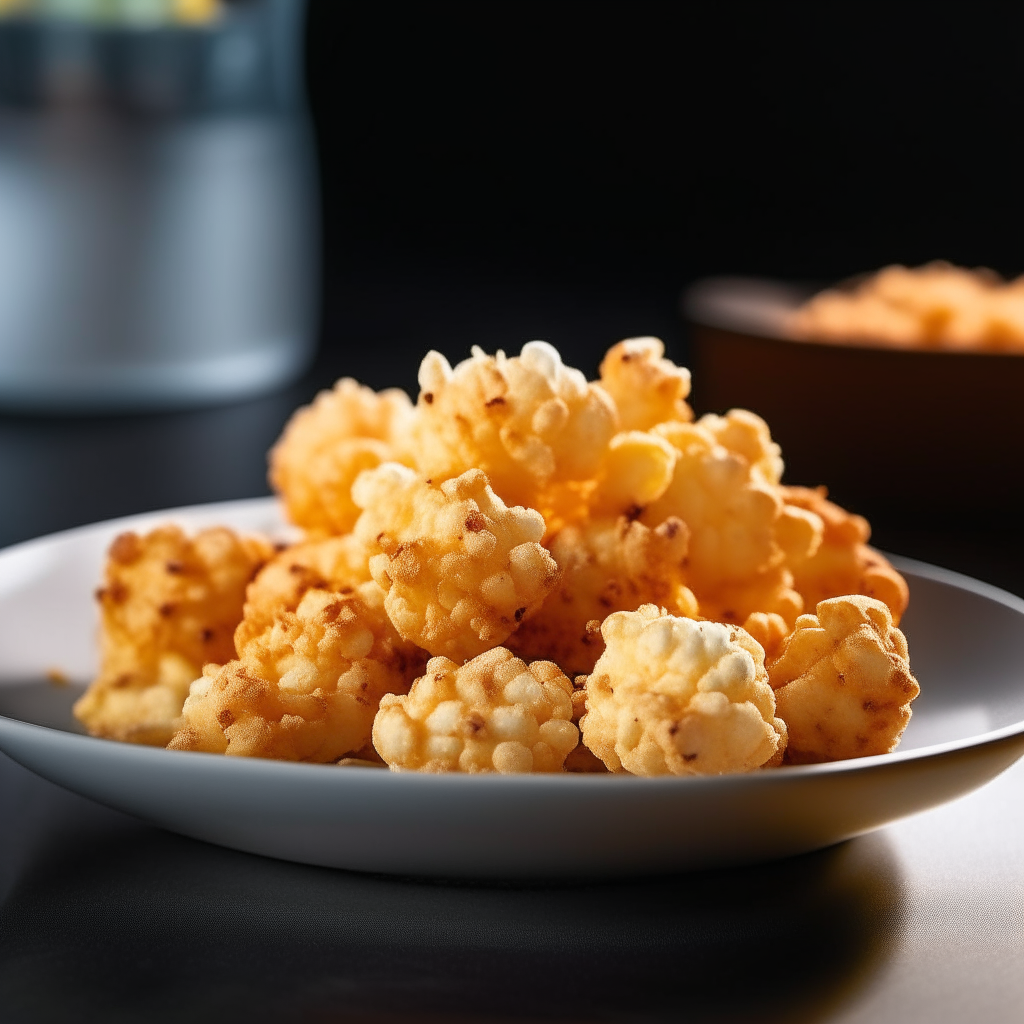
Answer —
(967, 650)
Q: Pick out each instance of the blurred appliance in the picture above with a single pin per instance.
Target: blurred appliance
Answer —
(158, 204)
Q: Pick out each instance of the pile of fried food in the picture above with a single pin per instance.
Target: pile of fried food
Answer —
(524, 572)
(934, 306)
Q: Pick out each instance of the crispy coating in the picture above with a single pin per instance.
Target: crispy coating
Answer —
(460, 569)
(770, 630)
(647, 389)
(307, 689)
(494, 714)
(843, 564)
(338, 564)
(527, 422)
(742, 532)
(326, 445)
(770, 592)
(606, 565)
(746, 434)
(637, 470)
(674, 696)
(168, 605)
(843, 683)
(730, 513)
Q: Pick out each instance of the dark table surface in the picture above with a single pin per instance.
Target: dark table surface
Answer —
(103, 917)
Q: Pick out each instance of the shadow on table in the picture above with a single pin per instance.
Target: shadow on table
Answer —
(159, 928)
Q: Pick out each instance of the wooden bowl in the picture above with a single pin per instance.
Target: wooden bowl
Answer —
(927, 437)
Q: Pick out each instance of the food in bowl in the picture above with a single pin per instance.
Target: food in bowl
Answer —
(524, 572)
(937, 306)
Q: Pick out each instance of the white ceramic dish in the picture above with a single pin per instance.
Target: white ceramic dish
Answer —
(967, 650)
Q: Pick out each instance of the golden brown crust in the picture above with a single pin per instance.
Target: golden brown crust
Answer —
(460, 569)
(327, 444)
(168, 605)
(306, 689)
(494, 714)
(647, 389)
(843, 683)
(607, 565)
(337, 564)
(674, 696)
(844, 564)
(527, 422)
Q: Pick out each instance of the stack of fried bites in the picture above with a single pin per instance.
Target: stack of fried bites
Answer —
(525, 572)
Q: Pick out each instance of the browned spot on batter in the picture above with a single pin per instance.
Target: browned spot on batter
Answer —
(428, 397)
(473, 724)
(126, 548)
(166, 610)
(475, 522)
(175, 568)
(225, 718)
(520, 612)
(207, 635)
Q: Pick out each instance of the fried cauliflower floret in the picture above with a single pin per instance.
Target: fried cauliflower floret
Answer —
(606, 565)
(637, 470)
(770, 630)
(338, 564)
(527, 422)
(168, 605)
(307, 689)
(647, 388)
(843, 564)
(674, 696)
(730, 513)
(746, 434)
(843, 683)
(326, 445)
(770, 592)
(934, 306)
(460, 569)
(742, 533)
(494, 714)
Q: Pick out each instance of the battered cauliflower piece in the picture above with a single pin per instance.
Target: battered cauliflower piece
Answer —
(326, 445)
(843, 683)
(770, 630)
(934, 306)
(460, 569)
(746, 434)
(730, 512)
(606, 565)
(742, 533)
(527, 422)
(769, 593)
(168, 605)
(843, 564)
(494, 714)
(636, 471)
(307, 689)
(647, 389)
(674, 696)
(338, 564)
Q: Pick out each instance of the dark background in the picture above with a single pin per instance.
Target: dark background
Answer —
(492, 175)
